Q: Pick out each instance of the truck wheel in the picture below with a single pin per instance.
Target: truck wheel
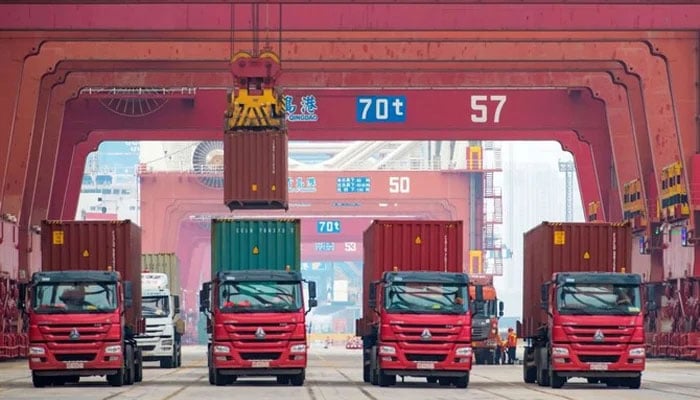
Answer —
(366, 371)
(167, 362)
(138, 367)
(529, 373)
(211, 376)
(634, 383)
(220, 380)
(116, 379)
(373, 367)
(129, 367)
(298, 380)
(556, 381)
(463, 381)
(178, 361)
(542, 376)
(39, 381)
(385, 380)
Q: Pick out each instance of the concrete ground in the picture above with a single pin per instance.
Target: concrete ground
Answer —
(336, 374)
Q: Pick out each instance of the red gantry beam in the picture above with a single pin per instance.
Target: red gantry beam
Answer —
(356, 15)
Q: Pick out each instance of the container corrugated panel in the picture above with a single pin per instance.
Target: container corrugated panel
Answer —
(98, 246)
(255, 170)
(164, 263)
(410, 246)
(569, 247)
(248, 244)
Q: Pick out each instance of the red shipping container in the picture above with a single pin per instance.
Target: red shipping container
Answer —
(409, 246)
(255, 170)
(569, 247)
(96, 246)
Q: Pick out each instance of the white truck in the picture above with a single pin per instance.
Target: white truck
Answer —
(161, 309)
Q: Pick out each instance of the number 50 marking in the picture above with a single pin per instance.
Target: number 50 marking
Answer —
(481, 110)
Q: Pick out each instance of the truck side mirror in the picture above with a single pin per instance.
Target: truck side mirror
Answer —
(372, 301)
(128, 295)
(204, 304)
(312, 291)
(544, 296)
(500, 308)
(22, 296)
(176, 304)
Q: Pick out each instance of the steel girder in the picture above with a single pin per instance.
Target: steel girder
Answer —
(511, 53)
(124, 124)
(338, 14)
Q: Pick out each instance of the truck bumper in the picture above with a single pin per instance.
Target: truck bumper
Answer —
(84, 359)
(437, 363)
(155, 348)
(267, 361)
(629, 362)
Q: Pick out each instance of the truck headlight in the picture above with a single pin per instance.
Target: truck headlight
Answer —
(113, 349)
(221, 349)
(387, 350)
(637, 352)
(167, 342)
(463, 352)
(298, 348)
(37, 351)
(560, 351)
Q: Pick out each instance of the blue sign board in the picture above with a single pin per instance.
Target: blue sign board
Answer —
(380, 108)
(328, 226)
(324, 246)
(353, 184)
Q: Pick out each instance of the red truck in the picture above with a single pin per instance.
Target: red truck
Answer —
(416, 319)
(85, 306)
(582, 311)
(255, 302)
(485, 315)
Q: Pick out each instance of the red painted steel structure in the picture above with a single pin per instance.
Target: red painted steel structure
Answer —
(168, 198)
(659, 79)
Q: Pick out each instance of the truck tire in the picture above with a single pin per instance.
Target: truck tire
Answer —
(634, 383)
(542, 376)
(373, 366)
(130, 373)
(138, 367)
(366, 370)
(211, 376)
(116, 379)
(298, 379)
(39, 381)
(463, 381)
(178, 359)
(556, 381)
(529, 373)
(167, 362)
(385, 380)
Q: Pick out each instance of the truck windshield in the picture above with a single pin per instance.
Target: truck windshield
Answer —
(155, 306)
(595, 298)
(260, 297)
(488, 309)
(78, 297)
(426, 298)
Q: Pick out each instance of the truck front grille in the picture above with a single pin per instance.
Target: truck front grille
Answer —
(430, 335)
(260, 356)
(598, 359)
(588, 336)
(252, 332)
(72, 333)
(425, 357)
(75, 357)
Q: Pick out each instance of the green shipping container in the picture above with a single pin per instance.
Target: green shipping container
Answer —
(246, 244)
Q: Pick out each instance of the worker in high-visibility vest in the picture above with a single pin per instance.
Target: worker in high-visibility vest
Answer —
(512, 344)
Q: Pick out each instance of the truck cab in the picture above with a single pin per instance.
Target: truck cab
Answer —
(595, 331)
(75, 329)
(257, 325)
(422, 328)
(485, 316)
(164, 327)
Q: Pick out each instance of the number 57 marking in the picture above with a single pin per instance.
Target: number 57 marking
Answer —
(480, 110)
